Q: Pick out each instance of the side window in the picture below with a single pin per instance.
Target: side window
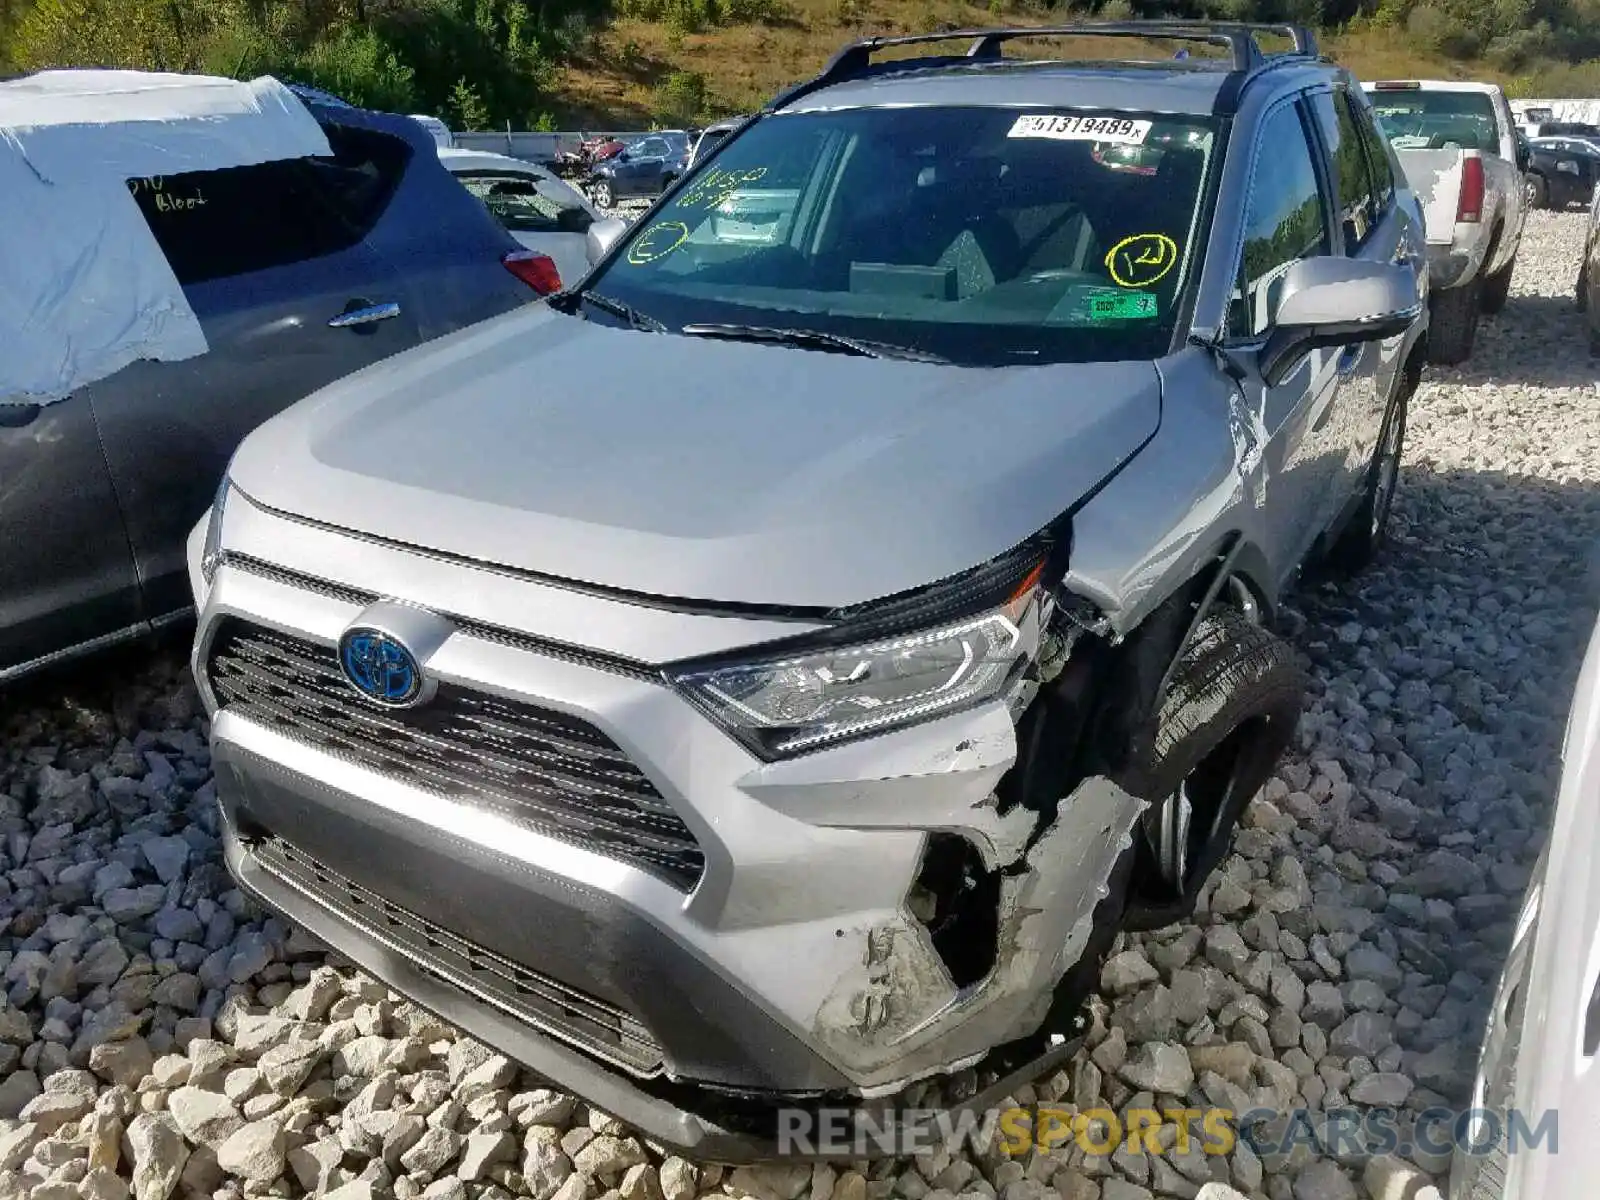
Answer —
(1358, 210)
(652, 148)
(1284, 220)
(216, 224)
(236, 221)
(363, 174)
(1377, 150)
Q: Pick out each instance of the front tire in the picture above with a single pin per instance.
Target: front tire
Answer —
(1453, 323)
(1364, 536)
(1227, 717)
(1538, 192)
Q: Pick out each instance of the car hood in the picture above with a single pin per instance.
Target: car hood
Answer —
(698, 469)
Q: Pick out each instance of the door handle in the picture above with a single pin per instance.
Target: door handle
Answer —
(359, 314)
(15, 416)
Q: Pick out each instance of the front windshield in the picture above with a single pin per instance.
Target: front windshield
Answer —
(1418, 120)
(981, 235)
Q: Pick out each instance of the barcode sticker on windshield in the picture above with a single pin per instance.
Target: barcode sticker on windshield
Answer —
(1082, 129)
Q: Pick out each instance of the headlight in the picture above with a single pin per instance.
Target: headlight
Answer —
(783, 706)
(211, 552)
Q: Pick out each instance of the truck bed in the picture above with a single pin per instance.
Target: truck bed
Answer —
(1435, 177)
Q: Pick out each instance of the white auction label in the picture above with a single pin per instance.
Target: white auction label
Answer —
(1081, 129)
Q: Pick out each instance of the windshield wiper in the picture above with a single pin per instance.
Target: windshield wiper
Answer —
(813, 339)
(627, 312)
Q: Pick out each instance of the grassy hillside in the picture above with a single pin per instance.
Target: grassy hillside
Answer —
(637, 71)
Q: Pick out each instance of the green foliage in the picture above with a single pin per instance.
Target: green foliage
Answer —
(681, 98)
(398, 55)
(487, 62)
(466, 108)
(359, 66)
(692, 16)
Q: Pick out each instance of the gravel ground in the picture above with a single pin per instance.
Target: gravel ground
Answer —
(159, 1035)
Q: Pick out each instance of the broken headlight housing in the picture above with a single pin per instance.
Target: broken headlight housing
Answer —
(788, 704)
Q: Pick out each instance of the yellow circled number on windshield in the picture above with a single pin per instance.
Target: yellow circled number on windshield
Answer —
(660, 240)
(1141, 260)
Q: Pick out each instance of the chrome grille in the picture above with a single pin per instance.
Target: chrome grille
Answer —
(542, 1002)
(547, 770)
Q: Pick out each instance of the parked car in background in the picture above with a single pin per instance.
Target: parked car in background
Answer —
(1465, 159)
(1540, 1056)
(1563, 171)
(825, 643)
(437, 130)
(300, 271)
(1588, 288)
(542, 212)
(710, 137)
(1577, 129)
(643, 168)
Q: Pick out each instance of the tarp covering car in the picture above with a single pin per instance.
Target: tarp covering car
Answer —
(87, 288)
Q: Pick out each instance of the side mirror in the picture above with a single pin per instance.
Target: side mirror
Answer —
(1331, 301)
(601, 236)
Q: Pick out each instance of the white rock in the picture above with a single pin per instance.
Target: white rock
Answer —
(102, 1184)
(482, 1151)
(204, 1117)
(254, 1152)
(155, 1146)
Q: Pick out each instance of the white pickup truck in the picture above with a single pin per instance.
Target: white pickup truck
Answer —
(1459, 147)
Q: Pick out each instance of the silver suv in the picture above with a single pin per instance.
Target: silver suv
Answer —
(771, 673)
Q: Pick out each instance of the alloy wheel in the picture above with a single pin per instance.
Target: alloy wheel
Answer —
(1196, 813)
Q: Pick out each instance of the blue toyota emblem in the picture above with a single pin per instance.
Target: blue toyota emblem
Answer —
(380, 667)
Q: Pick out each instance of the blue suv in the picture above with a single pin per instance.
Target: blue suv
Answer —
(301, 271)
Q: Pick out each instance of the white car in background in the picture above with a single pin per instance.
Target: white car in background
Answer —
(437, 129)
(538, 209)
(1540, 1046)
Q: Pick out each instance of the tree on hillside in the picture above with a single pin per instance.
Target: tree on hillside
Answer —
(390, 54)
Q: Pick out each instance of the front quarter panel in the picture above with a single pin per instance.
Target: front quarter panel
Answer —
(1204, 477)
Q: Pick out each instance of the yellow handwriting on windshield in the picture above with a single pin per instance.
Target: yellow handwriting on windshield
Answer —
(716, 186)
(660, 240)
(163, 200)
(1141, 260)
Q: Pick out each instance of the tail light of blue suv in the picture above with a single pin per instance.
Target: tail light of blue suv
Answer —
(536, 270)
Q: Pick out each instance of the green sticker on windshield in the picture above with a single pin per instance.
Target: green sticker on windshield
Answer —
(1114, 305)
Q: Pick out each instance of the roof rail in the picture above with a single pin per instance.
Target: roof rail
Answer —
(1238, 36)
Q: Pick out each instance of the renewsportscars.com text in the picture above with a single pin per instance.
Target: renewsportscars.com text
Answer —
(1362, 1131)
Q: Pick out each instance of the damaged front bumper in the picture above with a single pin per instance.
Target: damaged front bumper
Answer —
(745, 934)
